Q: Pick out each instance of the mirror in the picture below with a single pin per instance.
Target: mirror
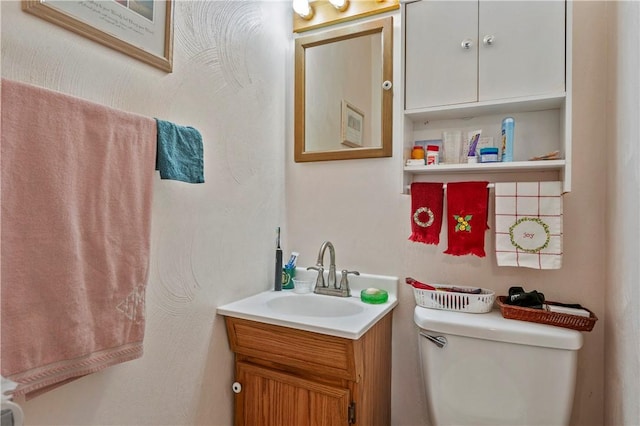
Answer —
(343, 95)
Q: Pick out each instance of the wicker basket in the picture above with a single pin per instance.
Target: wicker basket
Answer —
(541, 316)
(451, 301)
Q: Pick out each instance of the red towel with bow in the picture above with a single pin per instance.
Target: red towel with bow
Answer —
(467, 217)
(426, 212)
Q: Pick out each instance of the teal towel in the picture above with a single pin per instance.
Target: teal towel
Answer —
(180, 152)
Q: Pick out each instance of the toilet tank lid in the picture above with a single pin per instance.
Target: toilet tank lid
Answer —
(492, 326)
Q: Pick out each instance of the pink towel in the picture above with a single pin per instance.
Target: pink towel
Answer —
(76, 209)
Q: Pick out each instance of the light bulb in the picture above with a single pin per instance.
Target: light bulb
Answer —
(302, 8)
(341, 5)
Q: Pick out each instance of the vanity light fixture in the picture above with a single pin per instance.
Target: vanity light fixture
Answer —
(302, 8)
(341, 5)
(313, 14)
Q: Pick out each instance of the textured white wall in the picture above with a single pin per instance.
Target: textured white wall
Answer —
(359, 207)
(622, 361)
(211, 243)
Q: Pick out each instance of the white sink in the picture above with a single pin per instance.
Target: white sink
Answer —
(310, 305)
(347, 317)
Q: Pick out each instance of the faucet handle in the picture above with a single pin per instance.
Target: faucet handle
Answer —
(320, 279)
(344, 280)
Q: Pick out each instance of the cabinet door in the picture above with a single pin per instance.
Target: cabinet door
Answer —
(272, 398)
(527, 54)
(438, 69)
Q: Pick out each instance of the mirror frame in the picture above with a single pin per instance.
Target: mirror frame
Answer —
(383, 26)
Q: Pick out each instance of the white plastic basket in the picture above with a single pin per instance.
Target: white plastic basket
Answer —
(451, 301)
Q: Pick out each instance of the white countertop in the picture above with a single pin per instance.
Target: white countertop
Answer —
(352, 324)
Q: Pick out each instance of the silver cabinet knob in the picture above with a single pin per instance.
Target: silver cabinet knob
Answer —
(467, 43)
(488, 40)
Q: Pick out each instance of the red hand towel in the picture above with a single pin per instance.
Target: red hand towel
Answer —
(466, 217)
(426, 212)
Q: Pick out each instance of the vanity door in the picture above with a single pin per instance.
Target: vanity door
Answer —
(521, 49)
(274, 398)
(441, 53)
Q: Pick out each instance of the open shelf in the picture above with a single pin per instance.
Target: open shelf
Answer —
(472, 109)
(513, 166)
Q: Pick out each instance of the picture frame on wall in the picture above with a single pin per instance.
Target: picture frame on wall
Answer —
(352, 125)
(142, 29)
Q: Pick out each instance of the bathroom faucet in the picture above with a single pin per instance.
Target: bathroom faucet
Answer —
(320, 266)
(331, 288)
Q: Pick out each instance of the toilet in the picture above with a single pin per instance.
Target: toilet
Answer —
(483, 369)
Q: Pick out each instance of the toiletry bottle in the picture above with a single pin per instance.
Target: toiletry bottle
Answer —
(508, 125)
(433, 153)
(474, 139)
(417, 153)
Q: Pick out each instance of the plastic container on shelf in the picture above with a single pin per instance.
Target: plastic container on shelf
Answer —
(433, 155)
(488, 155)
(417, 153)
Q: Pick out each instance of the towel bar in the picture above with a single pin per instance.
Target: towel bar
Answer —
(444, 186)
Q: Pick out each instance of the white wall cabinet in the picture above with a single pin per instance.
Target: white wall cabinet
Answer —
(469, 51)
(468, 64)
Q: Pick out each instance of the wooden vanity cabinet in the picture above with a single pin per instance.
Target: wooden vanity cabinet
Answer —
(290, 377)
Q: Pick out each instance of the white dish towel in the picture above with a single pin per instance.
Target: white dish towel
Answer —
(529, 224)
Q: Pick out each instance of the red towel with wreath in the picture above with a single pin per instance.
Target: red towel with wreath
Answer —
(426, 212)
(467, 217)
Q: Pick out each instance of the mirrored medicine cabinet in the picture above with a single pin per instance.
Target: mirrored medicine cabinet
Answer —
(343, 92)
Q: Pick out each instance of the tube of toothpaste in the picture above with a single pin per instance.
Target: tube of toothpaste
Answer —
(474, 137)
(291, 263)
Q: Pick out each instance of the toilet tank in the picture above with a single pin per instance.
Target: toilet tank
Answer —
(496, 371)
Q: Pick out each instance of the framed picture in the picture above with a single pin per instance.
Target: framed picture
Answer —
(352, 125)
(142, 29)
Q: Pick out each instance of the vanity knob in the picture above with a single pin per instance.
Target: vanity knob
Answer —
(466, 43)
(236, 387)
(387, 85)
(488, 40)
